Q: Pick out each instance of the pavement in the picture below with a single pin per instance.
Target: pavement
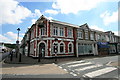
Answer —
(21, 69)
(30, 60)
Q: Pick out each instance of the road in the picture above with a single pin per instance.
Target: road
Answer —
(3, 55)
(78, 70)
(93, 68)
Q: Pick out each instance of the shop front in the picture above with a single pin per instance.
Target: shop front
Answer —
(103, 48)
(112, 48)
(118, 48)
(86, 48)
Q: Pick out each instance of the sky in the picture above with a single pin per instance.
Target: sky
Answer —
(98, 14)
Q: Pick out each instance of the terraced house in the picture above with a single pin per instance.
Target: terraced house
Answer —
(72, 40)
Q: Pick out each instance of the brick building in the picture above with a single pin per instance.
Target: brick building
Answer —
(73, 40)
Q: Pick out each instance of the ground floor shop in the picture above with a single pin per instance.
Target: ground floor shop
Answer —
(103, 48)
(48, 47)
(86, 47)
(113, 48)
(118, 48)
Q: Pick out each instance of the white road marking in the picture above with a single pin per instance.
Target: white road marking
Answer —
(75, 65)
(100, 72)
(65, 69)
(74, 62)
(109, 63)
(60, 67)
(73, 74)
(88, 67)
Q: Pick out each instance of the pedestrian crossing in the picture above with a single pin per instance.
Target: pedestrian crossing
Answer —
(89, 69)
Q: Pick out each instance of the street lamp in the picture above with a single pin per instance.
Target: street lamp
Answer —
(18, 45)
(56, 48)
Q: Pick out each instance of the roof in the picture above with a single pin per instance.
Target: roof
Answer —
(64, 23)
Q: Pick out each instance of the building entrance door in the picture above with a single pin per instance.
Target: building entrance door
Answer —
(42, 50)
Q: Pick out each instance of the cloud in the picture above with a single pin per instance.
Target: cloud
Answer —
(96, 28)
(49, 18)
(10, 37)
(109, 18)
(12, 13)
(50, 11)
(74, 6)
(4, 39)
(37, 13)
(33, 21)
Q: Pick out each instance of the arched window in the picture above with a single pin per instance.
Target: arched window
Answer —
(70, 47)
(61, 47)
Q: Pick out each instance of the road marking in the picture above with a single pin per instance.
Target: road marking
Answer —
(65, 69)
(100, 72)
(74, 62)
(60, 67)
(79, 64)
(88, 67)
(73, 74)
(109, 63)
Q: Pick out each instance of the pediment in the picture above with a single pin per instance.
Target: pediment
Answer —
(85, 26)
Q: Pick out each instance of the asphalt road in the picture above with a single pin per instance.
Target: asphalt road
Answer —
(105, 60)
(93, 68)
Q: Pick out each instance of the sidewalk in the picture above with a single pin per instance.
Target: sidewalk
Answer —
(30, 66)
(30, 60)
(25, 69)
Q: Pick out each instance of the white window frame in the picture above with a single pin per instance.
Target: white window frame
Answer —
(63, 47)
(98, 36)
(42, 31)
(86, 33)
(92, 35)
(61, 31)
(55, 29)
(68, 32)
(72, 47)
(80, 34)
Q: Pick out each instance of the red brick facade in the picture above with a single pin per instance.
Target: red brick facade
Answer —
(42, 39)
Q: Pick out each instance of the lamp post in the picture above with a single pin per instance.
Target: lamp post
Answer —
(18, 45)
(56, 48)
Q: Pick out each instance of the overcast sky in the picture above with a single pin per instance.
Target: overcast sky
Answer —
(98, 14)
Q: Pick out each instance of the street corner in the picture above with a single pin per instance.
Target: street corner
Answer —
(39, 69)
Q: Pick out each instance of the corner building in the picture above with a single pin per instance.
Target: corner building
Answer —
(73, 40)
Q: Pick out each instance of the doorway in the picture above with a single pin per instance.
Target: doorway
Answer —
(42, 50)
